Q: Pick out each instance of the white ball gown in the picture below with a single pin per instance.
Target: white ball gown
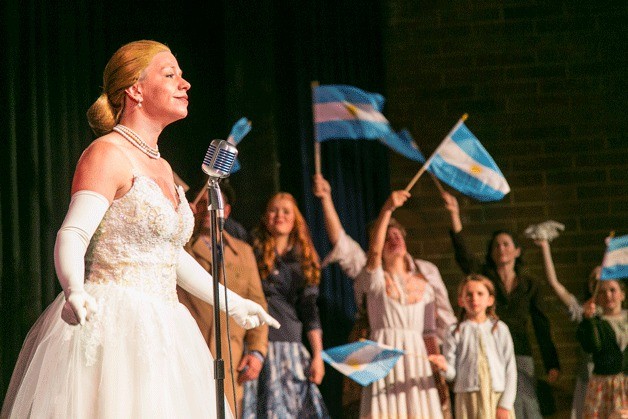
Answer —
(142, 355)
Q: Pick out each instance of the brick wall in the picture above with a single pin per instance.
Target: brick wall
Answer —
(544, 84)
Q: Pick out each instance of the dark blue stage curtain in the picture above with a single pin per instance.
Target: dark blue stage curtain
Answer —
(332, 43)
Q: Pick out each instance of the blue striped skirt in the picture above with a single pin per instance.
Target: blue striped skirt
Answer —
(282, 389)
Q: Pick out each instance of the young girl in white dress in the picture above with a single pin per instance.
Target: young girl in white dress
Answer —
(479, 355)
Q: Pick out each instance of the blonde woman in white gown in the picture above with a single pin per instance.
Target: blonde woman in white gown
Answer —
(117, 343)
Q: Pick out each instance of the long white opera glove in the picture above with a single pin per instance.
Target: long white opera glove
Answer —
(193, 278)
(86, 211)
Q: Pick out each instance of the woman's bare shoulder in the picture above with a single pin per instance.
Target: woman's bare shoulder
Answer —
(103, 167)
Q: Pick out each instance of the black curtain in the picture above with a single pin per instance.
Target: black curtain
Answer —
(243, 59)
(45, 77)
(331, 42)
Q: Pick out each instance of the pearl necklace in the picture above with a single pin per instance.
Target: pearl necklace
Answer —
(132, 137)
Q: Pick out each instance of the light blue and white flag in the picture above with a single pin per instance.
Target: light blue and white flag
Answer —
(403, 143)
(615, 263)
(238, 132)
(364, 361)
(464, 164)
(342, 111)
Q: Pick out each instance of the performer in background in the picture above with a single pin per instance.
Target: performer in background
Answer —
(117, 343)
(401, 307)
(290, 272)
(605, 337)
(248, 347)
(479, 355)
(575, 308)
(352, 259)
(517, 300)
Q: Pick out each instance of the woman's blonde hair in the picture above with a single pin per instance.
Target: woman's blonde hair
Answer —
(300, 240)
(123, 70)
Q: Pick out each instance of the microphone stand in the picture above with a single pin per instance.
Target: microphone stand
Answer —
(216, 210)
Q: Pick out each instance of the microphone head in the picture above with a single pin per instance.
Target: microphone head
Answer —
(219, 159)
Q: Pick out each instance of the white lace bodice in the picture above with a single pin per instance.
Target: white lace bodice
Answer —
(137, 243)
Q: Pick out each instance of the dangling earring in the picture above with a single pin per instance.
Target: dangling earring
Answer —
(139, 103)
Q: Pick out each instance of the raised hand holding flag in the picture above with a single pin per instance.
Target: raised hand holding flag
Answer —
(615, 262)
(464, 164)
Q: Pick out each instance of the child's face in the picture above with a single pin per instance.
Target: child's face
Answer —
(610, 296)
(475, 299)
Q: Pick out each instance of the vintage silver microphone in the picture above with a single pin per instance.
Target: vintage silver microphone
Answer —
(219, 159)
(217, 164)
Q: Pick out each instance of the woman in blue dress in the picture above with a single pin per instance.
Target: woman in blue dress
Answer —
(290, 272)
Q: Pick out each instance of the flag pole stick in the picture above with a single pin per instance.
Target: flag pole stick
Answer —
(597, 283)
(427, 163)
(201, 194)
(416, 177)
(317, 145)
(437, 182)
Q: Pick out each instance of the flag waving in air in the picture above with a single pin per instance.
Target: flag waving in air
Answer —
(615, 263)
(403, 143)
(342, 111)
(364, 361)
(464, 164)
(238, 132)
(346, 112)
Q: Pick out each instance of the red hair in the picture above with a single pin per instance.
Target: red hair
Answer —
(300, 240)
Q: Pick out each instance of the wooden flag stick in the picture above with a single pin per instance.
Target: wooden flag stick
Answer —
(317, 157)
(437, 182)
(427, 163)
(416, 178)
(317, 145)
(200, 195)
(179, 181)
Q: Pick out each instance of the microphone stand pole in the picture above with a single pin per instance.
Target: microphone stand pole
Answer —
(216, 209)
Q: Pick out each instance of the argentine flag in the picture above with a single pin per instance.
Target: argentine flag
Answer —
(342, 111)
(238, 132)
(615, 263)
(462, 162)
(403, 143)
(364, 361)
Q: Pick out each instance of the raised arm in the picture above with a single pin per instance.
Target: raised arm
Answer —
(378, 235)
(322, 191)
(550, 272)
(346, 251)
(467, 262)
(451, 204)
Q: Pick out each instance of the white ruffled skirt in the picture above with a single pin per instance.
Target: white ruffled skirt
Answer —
(139, 357)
